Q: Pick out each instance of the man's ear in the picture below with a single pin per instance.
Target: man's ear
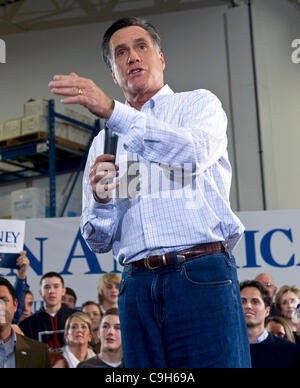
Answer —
(113, 76)
(268, 310)
(16, 304)
(162, 60)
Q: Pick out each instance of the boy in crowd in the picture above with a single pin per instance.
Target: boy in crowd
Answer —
(110, 355)
(108, 291)
(47, 325)
(70, 298)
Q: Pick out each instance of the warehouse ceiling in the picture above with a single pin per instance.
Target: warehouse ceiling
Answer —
(18, 16)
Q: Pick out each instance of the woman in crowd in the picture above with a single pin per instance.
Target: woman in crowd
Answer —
(92, 309)
(287, 300)
(78, 334)
(280, 327)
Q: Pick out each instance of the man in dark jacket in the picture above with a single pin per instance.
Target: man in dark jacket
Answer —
(47, 325)
(267, 351)
(17, 351)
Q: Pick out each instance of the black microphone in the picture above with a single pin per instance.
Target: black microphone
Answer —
(110, 146)
(111, 141)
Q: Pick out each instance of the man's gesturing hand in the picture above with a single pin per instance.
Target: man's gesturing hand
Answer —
(101, 174)
(82, 91)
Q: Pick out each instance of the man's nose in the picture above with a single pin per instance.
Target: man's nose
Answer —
(133, 57)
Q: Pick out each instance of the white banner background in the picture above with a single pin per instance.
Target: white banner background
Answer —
(271, 244)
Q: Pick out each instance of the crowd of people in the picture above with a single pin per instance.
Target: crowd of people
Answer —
(61, 335)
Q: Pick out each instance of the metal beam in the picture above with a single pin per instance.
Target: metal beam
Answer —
(107, 12)
(11, 11)
(89, 8)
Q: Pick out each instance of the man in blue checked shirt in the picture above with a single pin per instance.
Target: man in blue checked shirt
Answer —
(166, 216)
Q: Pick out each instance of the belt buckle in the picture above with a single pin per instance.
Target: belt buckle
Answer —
(147, 265)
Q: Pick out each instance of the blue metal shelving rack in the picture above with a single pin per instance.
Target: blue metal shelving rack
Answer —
(48, 158)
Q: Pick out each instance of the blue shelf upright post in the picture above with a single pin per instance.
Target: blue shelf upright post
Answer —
(52, 159)
(97, 129)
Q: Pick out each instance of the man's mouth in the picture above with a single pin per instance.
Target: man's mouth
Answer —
(135, 71)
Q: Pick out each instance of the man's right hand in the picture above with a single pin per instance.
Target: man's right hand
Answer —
(101, 171)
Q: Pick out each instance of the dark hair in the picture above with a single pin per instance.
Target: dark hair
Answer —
(90, 303)
(70, 291)
(4, 282)
(112, 311)
(52, 275)
(127, 22)
(55, 357)
(263, 291)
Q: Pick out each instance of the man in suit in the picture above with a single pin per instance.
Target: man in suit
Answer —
(17, 351)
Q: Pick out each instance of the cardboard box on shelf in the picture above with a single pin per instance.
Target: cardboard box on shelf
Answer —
(73, 208)
(61, 130)
(28, 203)
(36, 107)
(11, 128)
(1, 132)
(79, 135)
(39, 123)
(34, 123)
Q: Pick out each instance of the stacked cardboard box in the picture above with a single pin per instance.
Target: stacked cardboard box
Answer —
(28, 203)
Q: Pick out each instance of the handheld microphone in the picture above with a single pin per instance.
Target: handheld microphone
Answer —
(111, 142)
(110, 146)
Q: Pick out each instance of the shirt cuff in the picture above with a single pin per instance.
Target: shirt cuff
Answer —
(122, 118)
(97, 207)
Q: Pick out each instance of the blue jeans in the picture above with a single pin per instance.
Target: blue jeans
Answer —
(184, 316)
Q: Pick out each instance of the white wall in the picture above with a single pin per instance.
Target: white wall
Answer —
(276, 25)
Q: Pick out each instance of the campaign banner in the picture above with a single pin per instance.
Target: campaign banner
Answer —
(12, 235)
(270, 244)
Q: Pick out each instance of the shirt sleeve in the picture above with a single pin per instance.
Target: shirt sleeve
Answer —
(21, 288)
(200, 139)
(97, 220)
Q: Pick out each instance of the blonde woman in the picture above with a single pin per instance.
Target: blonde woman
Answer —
(78, 334)
(108, 291)
(287, 300)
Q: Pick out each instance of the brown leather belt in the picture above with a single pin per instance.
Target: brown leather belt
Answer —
(152, 261)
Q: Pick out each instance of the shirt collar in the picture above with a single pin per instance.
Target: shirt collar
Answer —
(261, 338)
(165, 90)
(12, 342)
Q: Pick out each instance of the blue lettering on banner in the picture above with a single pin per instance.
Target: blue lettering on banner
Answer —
(265, 248)
(9, 237)
(250, 249)
(88, 255)
(37, 265)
